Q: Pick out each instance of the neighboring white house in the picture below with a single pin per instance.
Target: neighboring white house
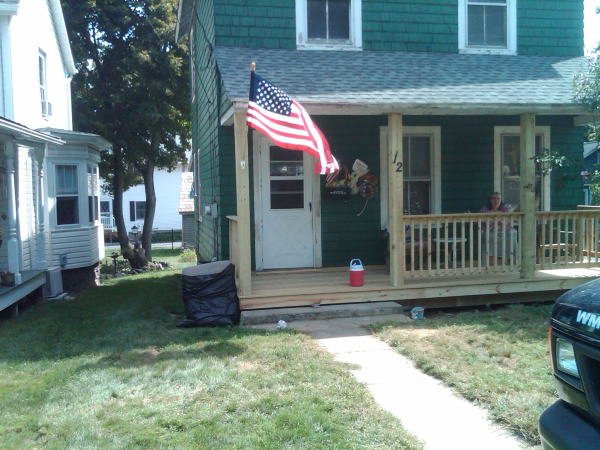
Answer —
(186, 209)
(134, 203)
(49, 184)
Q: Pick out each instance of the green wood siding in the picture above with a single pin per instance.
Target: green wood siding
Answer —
(410, 25)
(544, 27)
(550, 27)
(344, 235)
(256, 23)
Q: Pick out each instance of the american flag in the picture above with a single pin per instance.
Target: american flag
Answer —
(274, 113)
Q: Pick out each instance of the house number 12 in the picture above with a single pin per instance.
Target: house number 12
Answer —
(398, 164)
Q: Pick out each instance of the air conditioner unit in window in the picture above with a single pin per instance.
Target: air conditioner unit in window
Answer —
(46, 108)
(54, 285)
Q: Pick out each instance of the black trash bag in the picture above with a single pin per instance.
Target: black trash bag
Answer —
(210, 296)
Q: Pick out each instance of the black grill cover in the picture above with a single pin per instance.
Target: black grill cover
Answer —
(209, 295)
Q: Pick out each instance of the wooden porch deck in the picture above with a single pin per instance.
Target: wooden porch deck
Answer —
(278, 289)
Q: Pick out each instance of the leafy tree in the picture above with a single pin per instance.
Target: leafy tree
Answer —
(133, 89)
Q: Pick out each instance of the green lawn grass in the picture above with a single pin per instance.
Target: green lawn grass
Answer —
(110, 370)
(498, 359)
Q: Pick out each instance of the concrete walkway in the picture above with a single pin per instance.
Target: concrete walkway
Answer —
(426, 408)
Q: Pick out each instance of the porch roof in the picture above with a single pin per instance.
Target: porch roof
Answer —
(368, 82)
(27, 135)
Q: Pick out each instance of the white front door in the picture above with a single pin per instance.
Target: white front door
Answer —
(286, 209)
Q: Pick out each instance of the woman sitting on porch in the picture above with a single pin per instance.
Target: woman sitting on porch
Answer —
(499, 233)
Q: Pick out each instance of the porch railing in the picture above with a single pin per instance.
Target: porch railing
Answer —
(462, 244)
(568, 239)
(108, 222)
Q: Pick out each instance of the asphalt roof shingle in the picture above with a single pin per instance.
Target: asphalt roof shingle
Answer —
(409, 79)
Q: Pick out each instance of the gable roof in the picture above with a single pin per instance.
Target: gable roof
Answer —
(58, 20)
(369, 82)
(186, 204)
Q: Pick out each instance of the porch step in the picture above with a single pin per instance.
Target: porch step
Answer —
(274, 315)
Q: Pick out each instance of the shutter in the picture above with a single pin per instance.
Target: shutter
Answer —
(132, 211)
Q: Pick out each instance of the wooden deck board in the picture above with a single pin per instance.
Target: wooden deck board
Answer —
(329, 286)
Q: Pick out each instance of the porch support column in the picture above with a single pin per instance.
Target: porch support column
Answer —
(243, 202)
(396, 198)
(40, 262)
(527, 195)
(13, 244)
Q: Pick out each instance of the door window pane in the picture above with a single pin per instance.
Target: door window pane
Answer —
(287, 194)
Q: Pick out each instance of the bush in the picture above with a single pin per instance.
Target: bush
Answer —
(166, 236)
(187, 255)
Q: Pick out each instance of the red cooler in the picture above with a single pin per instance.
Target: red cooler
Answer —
(356, 273)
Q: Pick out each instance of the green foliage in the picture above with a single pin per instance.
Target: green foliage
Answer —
(188, 255)
(166, 236)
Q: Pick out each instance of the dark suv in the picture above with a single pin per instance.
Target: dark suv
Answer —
(573, 422)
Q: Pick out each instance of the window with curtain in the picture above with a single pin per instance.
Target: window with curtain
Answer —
(67, 195)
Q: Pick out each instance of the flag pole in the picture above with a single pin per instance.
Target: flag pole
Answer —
(252, 66)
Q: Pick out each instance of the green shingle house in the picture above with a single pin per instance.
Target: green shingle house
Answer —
(444, 101)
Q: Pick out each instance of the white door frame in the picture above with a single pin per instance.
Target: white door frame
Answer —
(260, 143)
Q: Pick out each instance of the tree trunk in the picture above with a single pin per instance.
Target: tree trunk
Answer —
(118, 198)
(148, 175)
(136, 260)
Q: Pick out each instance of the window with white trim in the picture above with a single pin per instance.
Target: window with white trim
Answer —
(421, 159)
(137, 210)
(42, 76)
(93, 183)
(487, 26)
(67, 195)
(328, 24)
(507, 167)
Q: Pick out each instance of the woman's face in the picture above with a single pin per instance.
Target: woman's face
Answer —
(495, 201)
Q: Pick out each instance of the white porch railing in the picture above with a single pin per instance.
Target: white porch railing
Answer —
(108, 222)
(462, 244)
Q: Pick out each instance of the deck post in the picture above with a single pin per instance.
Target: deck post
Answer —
(527, 195)
(13, 244)
(40, 263)
(396, 197)
(243, 202)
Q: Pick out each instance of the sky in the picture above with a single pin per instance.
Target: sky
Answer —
(591, 24)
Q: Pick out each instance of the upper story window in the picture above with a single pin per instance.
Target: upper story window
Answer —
(329, 24)
(487, 26)
(43, 80)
